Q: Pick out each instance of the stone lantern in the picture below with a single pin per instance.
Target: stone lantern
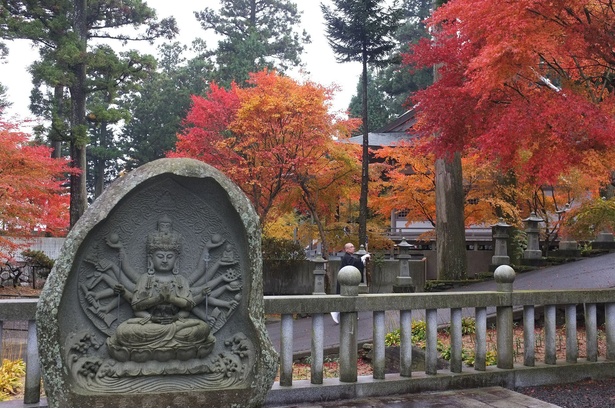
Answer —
(532, 230)
(320, 269)
(403, 282)
(363, 285)
(500, 234)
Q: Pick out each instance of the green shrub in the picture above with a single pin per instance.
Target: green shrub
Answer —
(469, 357)
(419, 334)
(468, 326)
(37, 258)
(40, 263)
(281, 249)
(392, 338)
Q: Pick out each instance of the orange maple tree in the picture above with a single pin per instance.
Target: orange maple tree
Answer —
(558, 204)
(268, 137)
(527, 83)
(409, 185)
(33, 200)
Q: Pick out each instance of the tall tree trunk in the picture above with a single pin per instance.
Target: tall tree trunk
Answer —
(450, 229)
(78, 197)
(451, 252)
(55, 135)
(364, 162)
(100, 163)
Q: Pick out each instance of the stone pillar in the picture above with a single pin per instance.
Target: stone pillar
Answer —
(403, 282)
(349, 278)
(500, 235)
(504, 277)
(532, 229)
(363, 288)
(320, 268)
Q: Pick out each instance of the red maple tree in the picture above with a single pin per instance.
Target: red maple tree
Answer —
(527, 83)
(33, 200)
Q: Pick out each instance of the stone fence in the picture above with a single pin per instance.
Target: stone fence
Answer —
(437, 309)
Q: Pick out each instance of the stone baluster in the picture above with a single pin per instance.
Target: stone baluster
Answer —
(405, 350)
(529, 336)
(504, 277)
(32, 390)
(286, 350)
(591, 332)
(431, 341)
(572, 347)
(609, 312)
(480, 361)
(550, 315)
(379, 368)
(456, 340)
(318, 327)
(349, 279)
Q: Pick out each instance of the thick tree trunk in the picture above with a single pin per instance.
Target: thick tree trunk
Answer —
(78, 196)
(450, 228)
(364, 163)
(451, 255)
(55, 135)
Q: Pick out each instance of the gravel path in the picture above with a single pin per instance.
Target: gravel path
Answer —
(583, 394)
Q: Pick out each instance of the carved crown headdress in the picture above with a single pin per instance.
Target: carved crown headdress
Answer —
(167, 240)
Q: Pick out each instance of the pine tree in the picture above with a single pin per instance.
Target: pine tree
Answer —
(362, 30)
(256, 34)
(61, 29)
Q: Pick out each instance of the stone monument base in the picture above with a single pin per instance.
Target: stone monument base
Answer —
(223, 398)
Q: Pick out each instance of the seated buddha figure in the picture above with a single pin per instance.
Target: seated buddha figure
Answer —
(162, 328)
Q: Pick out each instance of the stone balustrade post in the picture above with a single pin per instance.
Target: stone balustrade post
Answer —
(504, 277)
(318, 328)
(349, 278)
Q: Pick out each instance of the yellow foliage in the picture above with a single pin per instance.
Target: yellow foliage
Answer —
(10, 377)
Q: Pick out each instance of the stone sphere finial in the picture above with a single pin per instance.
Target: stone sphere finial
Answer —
(349, 278)
(504, 276)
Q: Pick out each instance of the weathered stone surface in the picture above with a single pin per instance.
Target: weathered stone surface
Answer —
(156, 298)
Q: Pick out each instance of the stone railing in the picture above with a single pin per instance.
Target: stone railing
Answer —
(499, 305)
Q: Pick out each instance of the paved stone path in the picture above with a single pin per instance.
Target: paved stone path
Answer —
(490, 397)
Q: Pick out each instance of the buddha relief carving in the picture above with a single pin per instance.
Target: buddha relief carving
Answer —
(174, 312)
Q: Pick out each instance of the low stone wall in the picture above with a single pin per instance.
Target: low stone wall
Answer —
(297, 277)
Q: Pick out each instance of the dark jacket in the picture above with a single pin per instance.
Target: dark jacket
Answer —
(350, 260)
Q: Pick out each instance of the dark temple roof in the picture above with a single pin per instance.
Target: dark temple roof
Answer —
(390, 134)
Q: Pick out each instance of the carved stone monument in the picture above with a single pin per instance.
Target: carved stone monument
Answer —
(156, 298)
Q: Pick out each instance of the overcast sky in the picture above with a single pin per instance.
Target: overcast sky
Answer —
(319, 59)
